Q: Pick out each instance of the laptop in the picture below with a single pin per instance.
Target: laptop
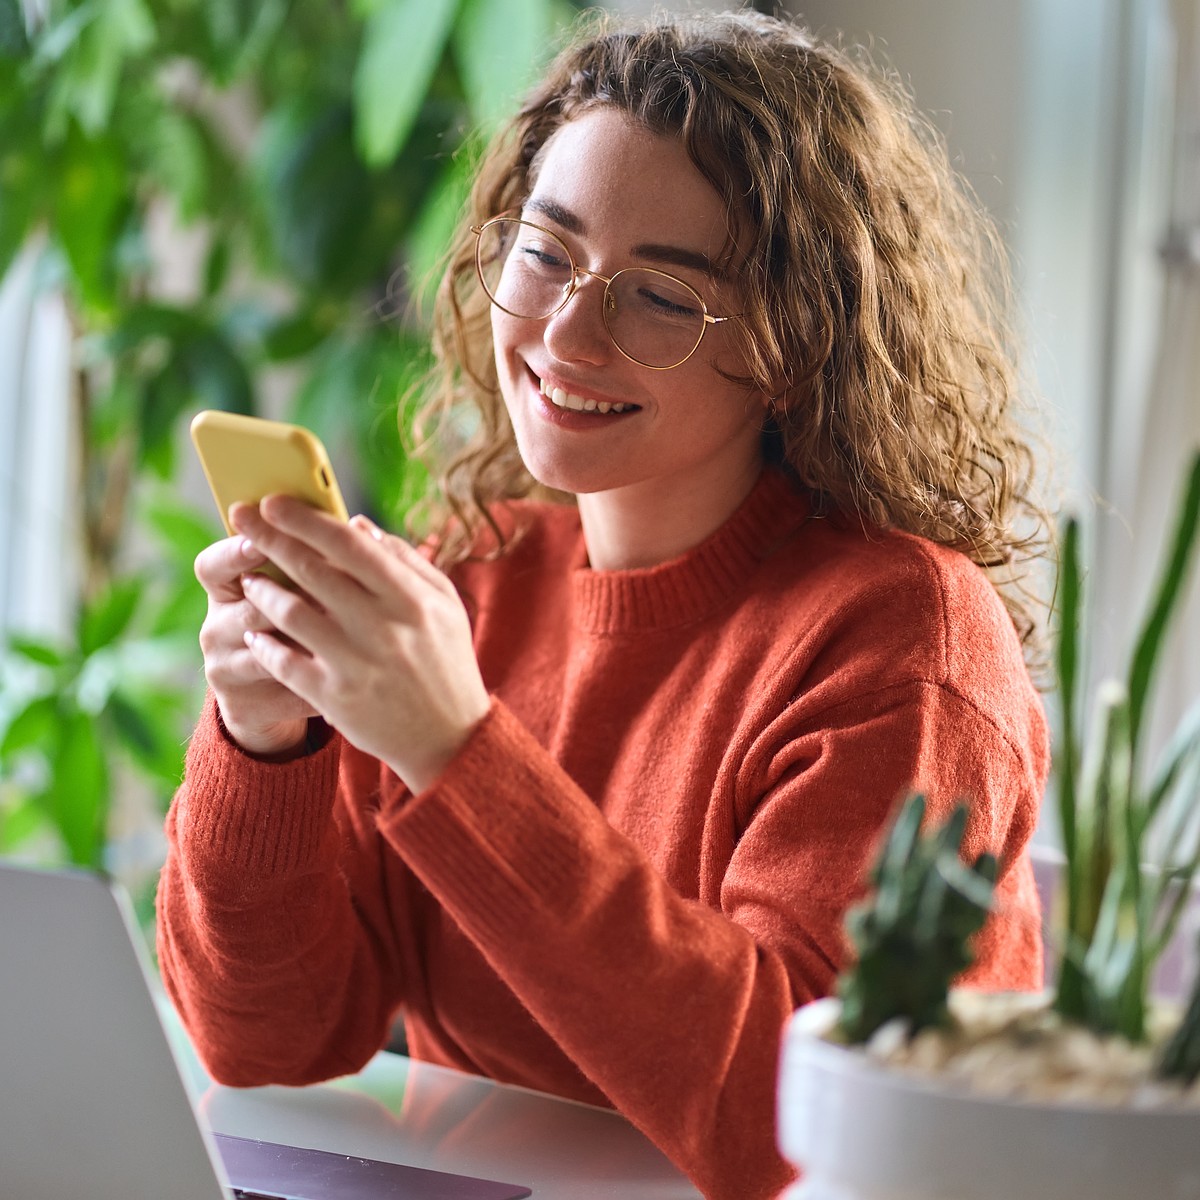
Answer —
(92, 1100)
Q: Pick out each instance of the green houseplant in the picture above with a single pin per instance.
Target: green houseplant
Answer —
(1091, 1064)
(316, 184)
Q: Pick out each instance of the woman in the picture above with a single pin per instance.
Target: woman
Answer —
(589, 799)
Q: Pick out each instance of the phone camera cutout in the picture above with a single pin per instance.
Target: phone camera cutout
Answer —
(325, 478)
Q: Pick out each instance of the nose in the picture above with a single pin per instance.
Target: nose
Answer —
(577, 333)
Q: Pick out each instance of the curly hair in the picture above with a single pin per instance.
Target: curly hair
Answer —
(874, 291)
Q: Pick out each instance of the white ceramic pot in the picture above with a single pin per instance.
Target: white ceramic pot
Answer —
(859, 1131)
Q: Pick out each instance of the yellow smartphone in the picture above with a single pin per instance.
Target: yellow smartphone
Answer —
(247, 458)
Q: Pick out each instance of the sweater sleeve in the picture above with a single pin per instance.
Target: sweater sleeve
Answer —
(673, 1007)
(276, 945)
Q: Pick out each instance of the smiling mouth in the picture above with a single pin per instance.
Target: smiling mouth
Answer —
(561, 398)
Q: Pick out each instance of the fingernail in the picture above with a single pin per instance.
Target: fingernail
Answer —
(249, 582)
(250, 550)
(249, 637)
(370, 526)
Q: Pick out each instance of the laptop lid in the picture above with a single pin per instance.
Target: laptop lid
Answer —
(92, 1100)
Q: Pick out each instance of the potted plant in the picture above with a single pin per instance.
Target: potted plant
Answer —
(901, 1088)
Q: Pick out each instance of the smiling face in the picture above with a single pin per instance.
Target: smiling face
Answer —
(587, 419)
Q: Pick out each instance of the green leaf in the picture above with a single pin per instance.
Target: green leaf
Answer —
(77, 799)
(90, 204)
(14, 44)
(403, 42)
(1070, 604)
(36, 651)
(1183, 746)
(315, 192)
(183, 530)
(204, 371)
(31, 728)
(294, 336)
(216, 267)
(499, 45)
(157, 326)
(20, 819)
(148, 727)
(180, 161)
(94, 56)
(1170, 587)
(1103, 796)
(22, 176)
(57, 40)
(108, 616)
(433, 230)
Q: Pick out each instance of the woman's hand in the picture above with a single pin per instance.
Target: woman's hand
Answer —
(375, 640)
(260, 714)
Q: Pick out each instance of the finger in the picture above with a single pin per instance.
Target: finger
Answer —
(293, 618)
(224, 628)
(306, 565)
(289, 665)
(219, 567)
(408, 555)
(360, 548)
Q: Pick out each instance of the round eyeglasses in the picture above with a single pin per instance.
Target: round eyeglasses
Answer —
(654, 319)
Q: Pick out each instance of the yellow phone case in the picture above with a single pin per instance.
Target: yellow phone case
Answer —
(247, 458)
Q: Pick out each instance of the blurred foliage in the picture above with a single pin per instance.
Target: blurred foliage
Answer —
(313, 158)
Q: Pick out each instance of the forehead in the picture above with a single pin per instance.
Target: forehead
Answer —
(630, 185)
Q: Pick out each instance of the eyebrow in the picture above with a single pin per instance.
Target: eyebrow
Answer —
(653, 251)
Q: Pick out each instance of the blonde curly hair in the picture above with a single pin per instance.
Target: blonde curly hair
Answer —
(875, 299)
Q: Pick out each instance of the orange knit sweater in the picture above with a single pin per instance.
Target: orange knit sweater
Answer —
(639, 864)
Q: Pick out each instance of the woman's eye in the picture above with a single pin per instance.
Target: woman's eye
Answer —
(665, 304)
(543, 257)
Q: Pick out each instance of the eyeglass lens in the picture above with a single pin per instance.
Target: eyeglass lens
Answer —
(654, 318)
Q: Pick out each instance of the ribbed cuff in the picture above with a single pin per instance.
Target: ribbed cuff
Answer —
(264, 817)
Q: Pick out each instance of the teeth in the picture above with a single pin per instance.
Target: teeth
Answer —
(564, 399)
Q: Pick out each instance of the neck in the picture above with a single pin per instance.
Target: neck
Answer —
(644, 524)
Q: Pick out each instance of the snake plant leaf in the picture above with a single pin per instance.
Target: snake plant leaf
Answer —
(1103, 791)
(1179, 752)
(1180, 1057)
(1170, 587)
(1167, 897)
(1067, 669)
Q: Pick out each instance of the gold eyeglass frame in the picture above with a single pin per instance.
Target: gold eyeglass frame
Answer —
(608, 303)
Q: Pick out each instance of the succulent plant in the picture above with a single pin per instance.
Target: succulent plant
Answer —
(912, 936)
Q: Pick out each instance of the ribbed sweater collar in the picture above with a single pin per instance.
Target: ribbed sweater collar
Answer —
(698, 582)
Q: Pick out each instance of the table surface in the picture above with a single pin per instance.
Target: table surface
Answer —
(401, 1110)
